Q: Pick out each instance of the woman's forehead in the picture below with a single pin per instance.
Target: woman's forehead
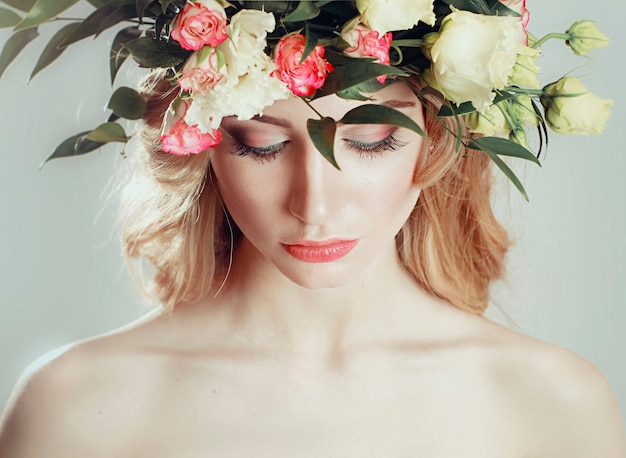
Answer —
(398, 95)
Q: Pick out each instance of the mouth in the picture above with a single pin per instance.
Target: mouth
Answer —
(320, 251)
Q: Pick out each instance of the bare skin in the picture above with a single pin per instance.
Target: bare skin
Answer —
(290, 359)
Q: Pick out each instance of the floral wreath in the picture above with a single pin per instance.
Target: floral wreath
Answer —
(236, 59)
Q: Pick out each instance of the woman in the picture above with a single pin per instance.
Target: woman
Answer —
(317, 312)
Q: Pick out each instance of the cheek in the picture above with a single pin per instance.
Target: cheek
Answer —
(246, 195)
(388, 193)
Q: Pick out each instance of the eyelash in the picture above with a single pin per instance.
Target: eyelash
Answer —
(363, 149)
(374, 149)
(259, 153)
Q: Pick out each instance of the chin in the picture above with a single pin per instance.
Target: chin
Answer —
(322, 276)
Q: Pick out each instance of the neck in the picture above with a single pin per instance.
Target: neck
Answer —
(318, 322)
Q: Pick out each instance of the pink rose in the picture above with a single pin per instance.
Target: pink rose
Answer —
(198, 26)
(303, 79)
(183, 139)
(201, 77)
(365, 42)
(519, 6)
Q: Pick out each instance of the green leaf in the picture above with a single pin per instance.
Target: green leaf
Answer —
(380, 114)
(108, 132)
(99, 3)
(311, 42)
(141, 6)
(75, 145)
(322, 133)
(352, 71)
(44, 10)
(506, 170)
(22, 5)
(14, 46)
(503, 147)
(119, 52)
(151, 53)
(353, 93)
(52, 50)
(467, 107)
(8, 18)
(304, 11)
(127, 103)
(107, 16)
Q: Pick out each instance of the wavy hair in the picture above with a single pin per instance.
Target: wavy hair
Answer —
(451, 244)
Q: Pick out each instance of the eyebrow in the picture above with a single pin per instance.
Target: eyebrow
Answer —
(272, 120)
(286, 124)
(399, 104)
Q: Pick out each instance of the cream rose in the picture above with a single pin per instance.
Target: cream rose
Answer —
(525, 70)
(472, 55)
(387, 15)
(491, 122)
(572, 109)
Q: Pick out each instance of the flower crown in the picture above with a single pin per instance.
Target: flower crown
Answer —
(235, 59)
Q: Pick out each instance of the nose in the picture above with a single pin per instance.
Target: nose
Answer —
(314, 195)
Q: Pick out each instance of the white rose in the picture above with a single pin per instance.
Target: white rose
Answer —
(389, 15)
(472, 55)
(253, 93)
(245, 47)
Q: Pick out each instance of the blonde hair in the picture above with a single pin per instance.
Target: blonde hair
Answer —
(451, 244)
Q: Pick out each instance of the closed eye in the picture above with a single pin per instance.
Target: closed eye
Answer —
(372, 149)
(260, 153)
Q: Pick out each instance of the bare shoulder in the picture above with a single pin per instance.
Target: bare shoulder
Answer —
(67, 398)
(560, 400)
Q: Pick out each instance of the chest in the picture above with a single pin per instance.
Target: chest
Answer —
(383, 414)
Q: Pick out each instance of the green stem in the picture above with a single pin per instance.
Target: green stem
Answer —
(550, 36)
(414, 43)
(526, 91)
(311, 107)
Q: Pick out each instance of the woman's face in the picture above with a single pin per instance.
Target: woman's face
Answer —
(319, 226)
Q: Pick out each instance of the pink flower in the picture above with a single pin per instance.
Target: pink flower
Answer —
(198, 26)
(303, 79)
(519, 6)
(365, 42)
(201, 77)
(183, 139)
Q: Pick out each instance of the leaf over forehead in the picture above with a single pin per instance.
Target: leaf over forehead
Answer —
(380, 114)
(322, 133)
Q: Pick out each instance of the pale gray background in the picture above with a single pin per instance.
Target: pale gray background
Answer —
(62, 278)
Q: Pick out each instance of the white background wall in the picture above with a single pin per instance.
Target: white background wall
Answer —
(62, 278)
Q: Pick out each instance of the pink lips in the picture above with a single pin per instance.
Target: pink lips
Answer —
(324, 251)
